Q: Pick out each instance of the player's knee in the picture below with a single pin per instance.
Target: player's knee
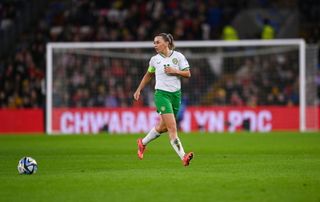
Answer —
(161, 129)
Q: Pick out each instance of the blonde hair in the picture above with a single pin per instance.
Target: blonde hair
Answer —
(169, 38)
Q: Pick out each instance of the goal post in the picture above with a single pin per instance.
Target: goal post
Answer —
(72, 66)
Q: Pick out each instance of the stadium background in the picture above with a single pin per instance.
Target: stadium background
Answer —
(26, 27)
(244, 166)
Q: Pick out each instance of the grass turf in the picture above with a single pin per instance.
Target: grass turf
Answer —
(227, 167)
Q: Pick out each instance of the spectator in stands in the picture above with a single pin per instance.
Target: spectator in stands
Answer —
(268, 31)
(229, 33)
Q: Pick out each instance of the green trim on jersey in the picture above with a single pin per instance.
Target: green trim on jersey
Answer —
(186, 68)
(172, 51)
(151, 69)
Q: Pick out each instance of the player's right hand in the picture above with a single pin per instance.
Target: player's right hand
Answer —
(136, 95)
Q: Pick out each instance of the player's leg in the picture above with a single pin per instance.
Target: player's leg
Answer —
(170, 122)
(176, 105)
(153, 134)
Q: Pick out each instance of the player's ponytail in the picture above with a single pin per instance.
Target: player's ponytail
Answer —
(171, 42)
(169, 39)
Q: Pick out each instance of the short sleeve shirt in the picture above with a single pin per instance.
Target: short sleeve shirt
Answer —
(164, 81)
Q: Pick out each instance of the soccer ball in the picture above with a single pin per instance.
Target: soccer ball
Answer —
(27, 165)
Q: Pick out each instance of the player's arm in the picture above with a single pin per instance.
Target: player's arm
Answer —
(176, 72)
(145, 80)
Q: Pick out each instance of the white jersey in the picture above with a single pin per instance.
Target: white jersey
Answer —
(164, 81)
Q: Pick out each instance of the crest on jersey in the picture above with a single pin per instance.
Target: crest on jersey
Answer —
(163, 108)
(175, 61)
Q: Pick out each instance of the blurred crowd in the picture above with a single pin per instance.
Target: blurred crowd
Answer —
(83, 80)
(268, 80)
(22, 74)
(86, 82)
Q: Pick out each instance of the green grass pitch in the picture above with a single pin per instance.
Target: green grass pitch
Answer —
(227, 167)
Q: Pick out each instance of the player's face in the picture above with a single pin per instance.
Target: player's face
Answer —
(160, 45)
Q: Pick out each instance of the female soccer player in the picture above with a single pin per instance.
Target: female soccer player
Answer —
(167, 66)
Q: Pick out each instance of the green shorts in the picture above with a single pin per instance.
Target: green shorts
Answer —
(167, 102)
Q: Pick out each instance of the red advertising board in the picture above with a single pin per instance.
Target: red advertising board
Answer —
(211, 119)
(135, 120)
(21, 121)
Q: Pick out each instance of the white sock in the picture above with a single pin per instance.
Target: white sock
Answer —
(177, 146)
(153, 134)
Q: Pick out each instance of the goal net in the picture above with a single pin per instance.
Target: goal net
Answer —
(240, 85)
